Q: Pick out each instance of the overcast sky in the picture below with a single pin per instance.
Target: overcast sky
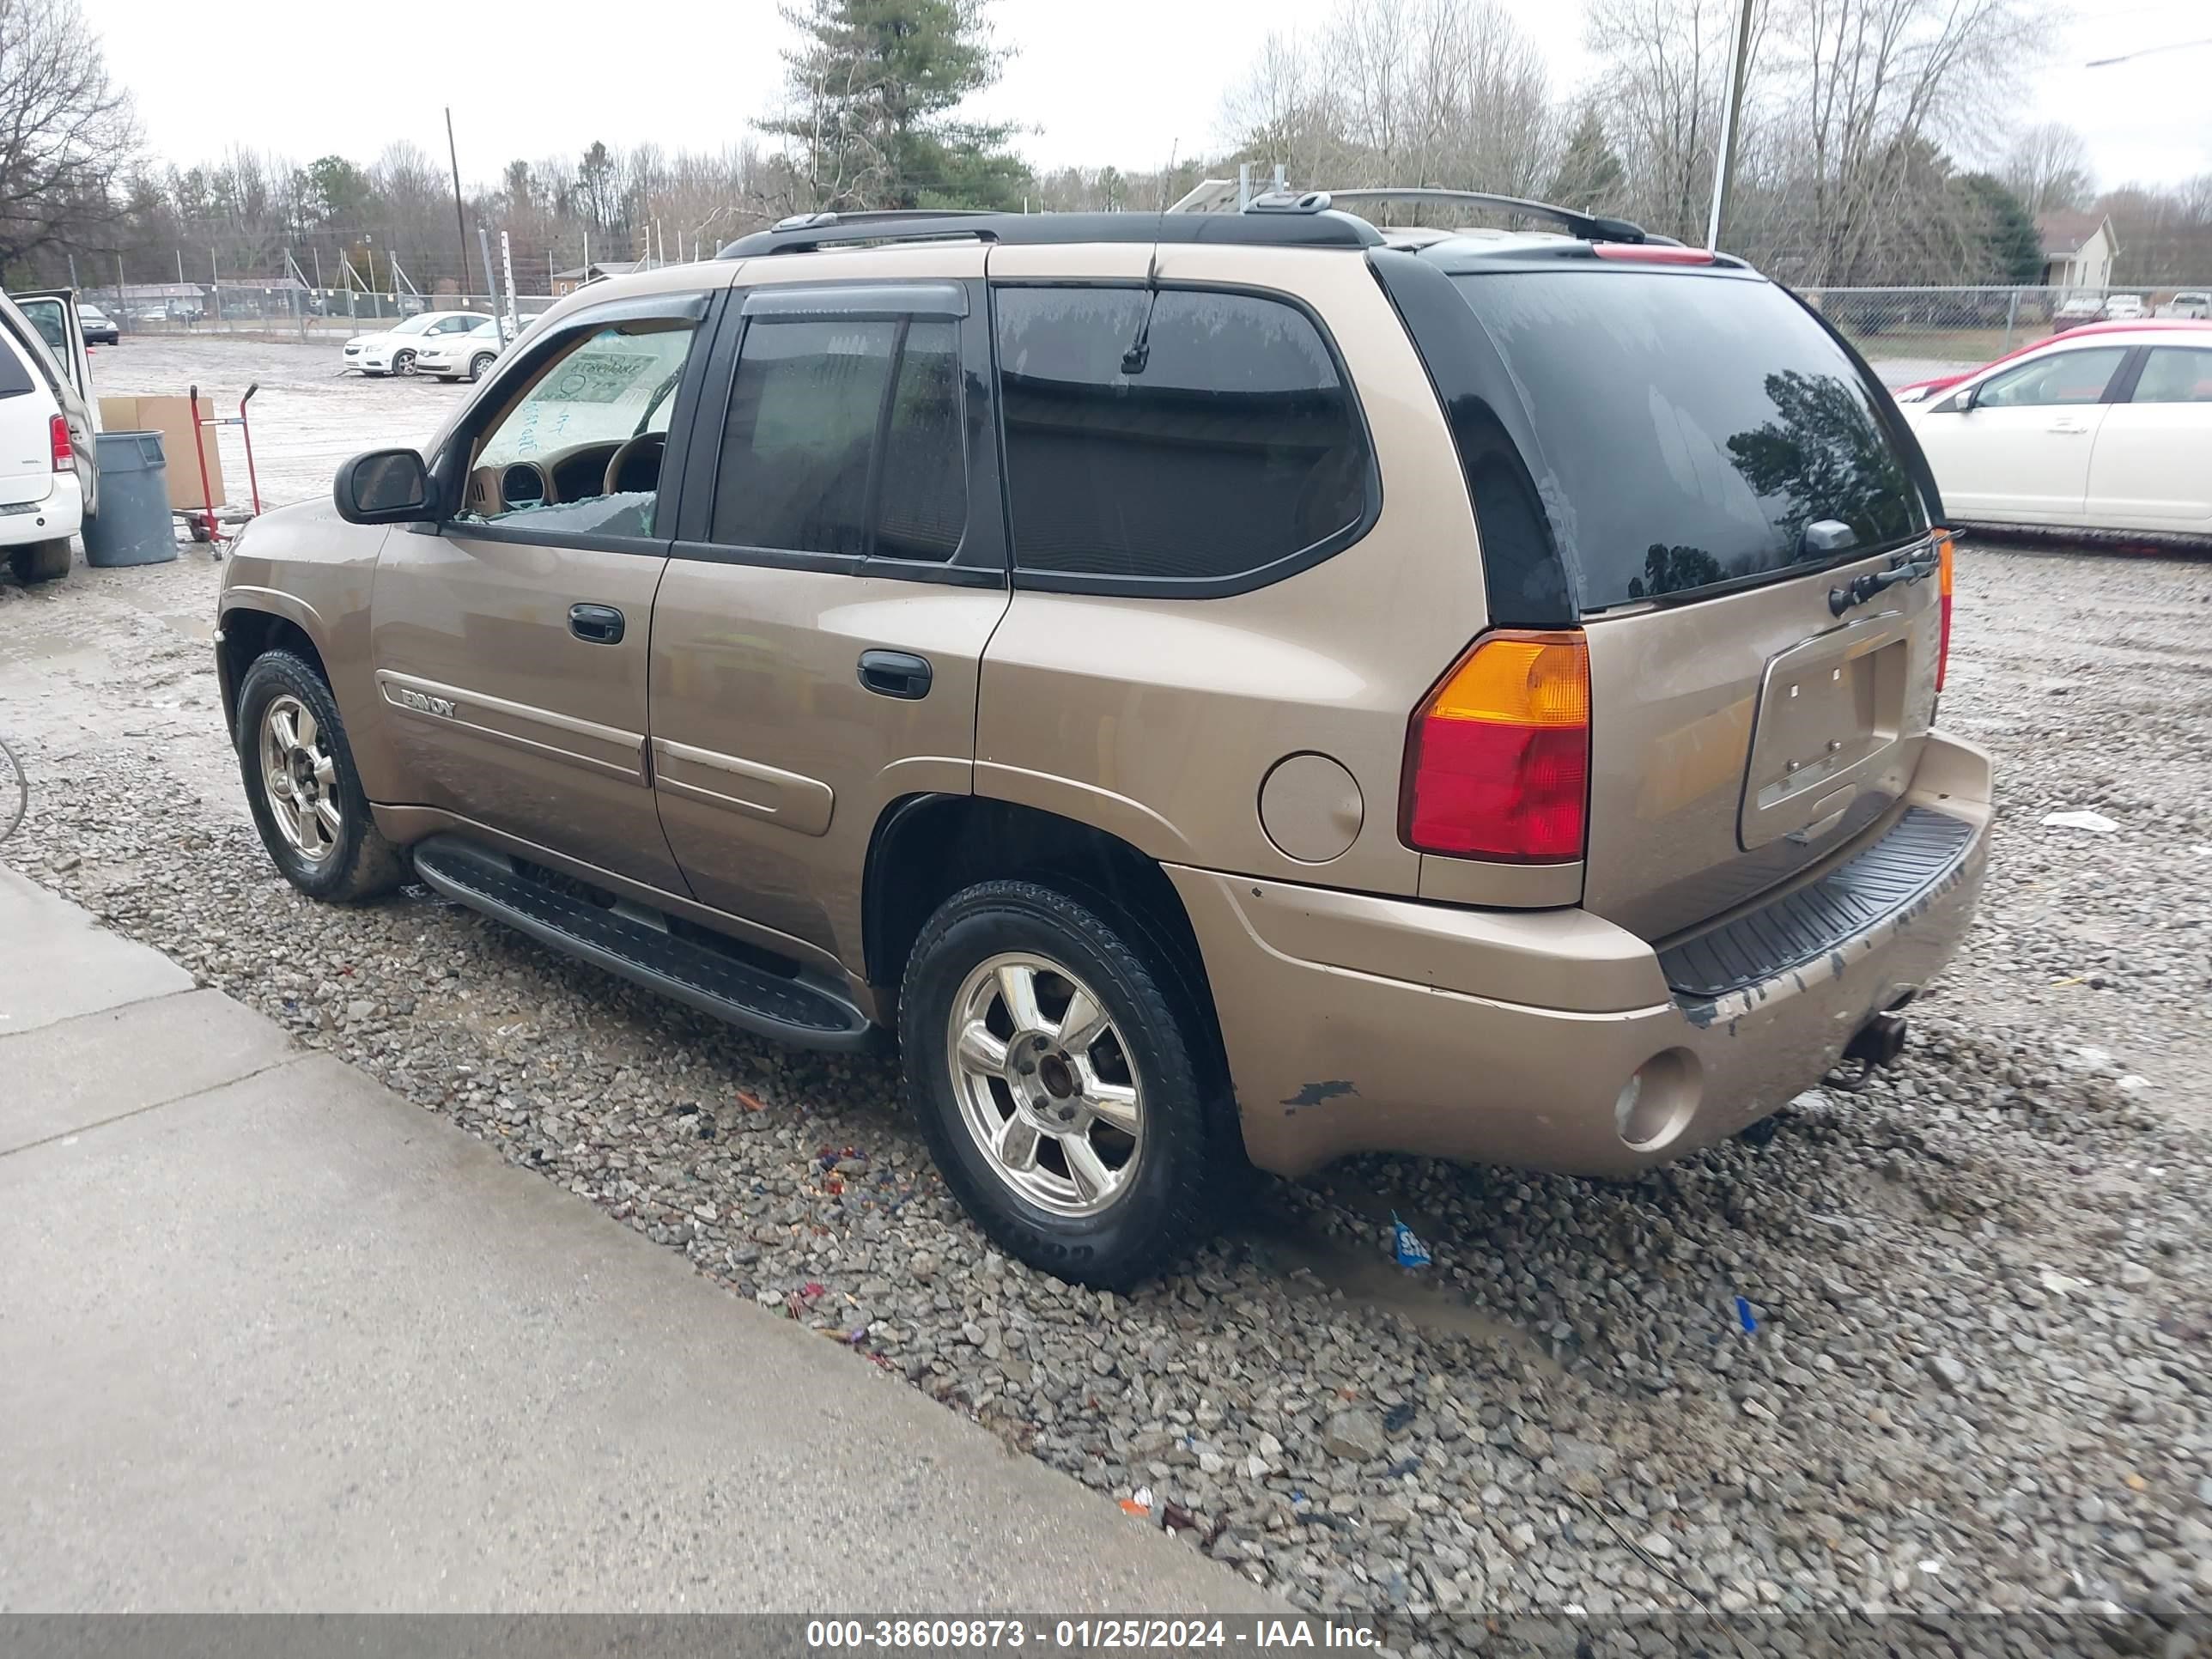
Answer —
(1115, 82)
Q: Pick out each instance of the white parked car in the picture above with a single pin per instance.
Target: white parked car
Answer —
(2188, 302)
(464, 355)
(2110, 429)
(2120, 306)
(49, 467)
(394, 350)
(2077, 309)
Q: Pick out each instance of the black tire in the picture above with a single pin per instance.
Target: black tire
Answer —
(1171, 1203)
(40, 562)
(402, 363)
(361, 863)
(479, 366)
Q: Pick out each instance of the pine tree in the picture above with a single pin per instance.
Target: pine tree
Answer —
(875, 89)
(2012, 246)
(1591, 176)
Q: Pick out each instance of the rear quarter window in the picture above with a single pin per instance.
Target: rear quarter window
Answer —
(1188, 437)
(1690, 429)
(15, 377)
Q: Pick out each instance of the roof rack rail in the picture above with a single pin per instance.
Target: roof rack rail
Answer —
(807, 233)
(867, 216)
(1585, 227)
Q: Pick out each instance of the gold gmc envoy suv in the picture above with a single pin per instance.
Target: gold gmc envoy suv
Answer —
(1221, 688)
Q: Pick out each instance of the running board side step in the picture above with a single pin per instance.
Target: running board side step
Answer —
(799, 1011)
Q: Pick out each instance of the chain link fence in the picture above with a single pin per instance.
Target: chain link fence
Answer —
(1913, 333)
(282, 311)
(1907, 333)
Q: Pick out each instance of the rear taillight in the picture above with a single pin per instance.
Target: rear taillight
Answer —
(1498, 756)
(64, 452)
(1943, 547)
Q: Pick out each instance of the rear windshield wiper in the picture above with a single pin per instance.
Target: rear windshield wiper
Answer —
(1903, 568)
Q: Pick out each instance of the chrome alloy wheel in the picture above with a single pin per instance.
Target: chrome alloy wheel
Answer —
(1046, 1085)
(299, 779)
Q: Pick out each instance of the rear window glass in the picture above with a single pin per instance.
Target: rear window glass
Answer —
(1227, 444)
(45, 316)
(1691, 428)
(15, 373)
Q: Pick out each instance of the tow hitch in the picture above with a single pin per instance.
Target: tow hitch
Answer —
(1878, 1043)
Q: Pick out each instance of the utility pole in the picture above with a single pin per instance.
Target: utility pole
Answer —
(460, 219)
(1731, 122)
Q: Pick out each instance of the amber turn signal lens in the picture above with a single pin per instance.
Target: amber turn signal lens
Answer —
(1945, 546)
(1519, 679)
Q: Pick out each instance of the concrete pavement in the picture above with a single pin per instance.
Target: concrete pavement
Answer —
(273, 1338)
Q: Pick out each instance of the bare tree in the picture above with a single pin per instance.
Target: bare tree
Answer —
(2048, 166)
(67, 134)
(1401, 91)
(1868, 83)
(1666, 75)
(1282, 111)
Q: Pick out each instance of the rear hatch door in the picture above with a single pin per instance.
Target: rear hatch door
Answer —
(26, 471)
(44, 326)
(1718, 475)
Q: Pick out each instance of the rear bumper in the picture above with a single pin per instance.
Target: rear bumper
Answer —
(1358, 1023)
(59, 513)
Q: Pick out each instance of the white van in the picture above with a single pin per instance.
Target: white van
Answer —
(49, 468)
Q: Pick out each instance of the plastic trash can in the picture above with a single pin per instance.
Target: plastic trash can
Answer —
(134, 525)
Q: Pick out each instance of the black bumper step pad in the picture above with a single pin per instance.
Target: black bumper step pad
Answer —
(1803, 926)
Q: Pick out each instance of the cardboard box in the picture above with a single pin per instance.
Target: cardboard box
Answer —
(174, 418)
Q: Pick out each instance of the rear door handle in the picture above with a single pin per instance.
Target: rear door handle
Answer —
(895, 674)
(2070, 428)
(597, 624)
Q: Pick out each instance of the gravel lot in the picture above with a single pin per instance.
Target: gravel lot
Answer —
(1976, 1382)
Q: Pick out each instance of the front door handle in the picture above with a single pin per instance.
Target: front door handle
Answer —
(895, 674)
(597, 624)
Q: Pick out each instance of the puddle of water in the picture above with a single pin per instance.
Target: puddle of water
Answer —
(38, 648)
(196, 627)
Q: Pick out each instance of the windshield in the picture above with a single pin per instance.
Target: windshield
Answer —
(419, 324)
(1691, 429)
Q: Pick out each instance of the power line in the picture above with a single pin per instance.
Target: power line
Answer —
(2146, 51)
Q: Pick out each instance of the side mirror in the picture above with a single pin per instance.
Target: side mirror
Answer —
(385, 486)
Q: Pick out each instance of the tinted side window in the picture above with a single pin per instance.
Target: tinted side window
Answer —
(1229, 445)
(838, 429)
(2175, 375)
(924, 506)
(15, 373)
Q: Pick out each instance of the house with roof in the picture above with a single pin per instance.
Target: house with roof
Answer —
(2078, 249)
(568, 282)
